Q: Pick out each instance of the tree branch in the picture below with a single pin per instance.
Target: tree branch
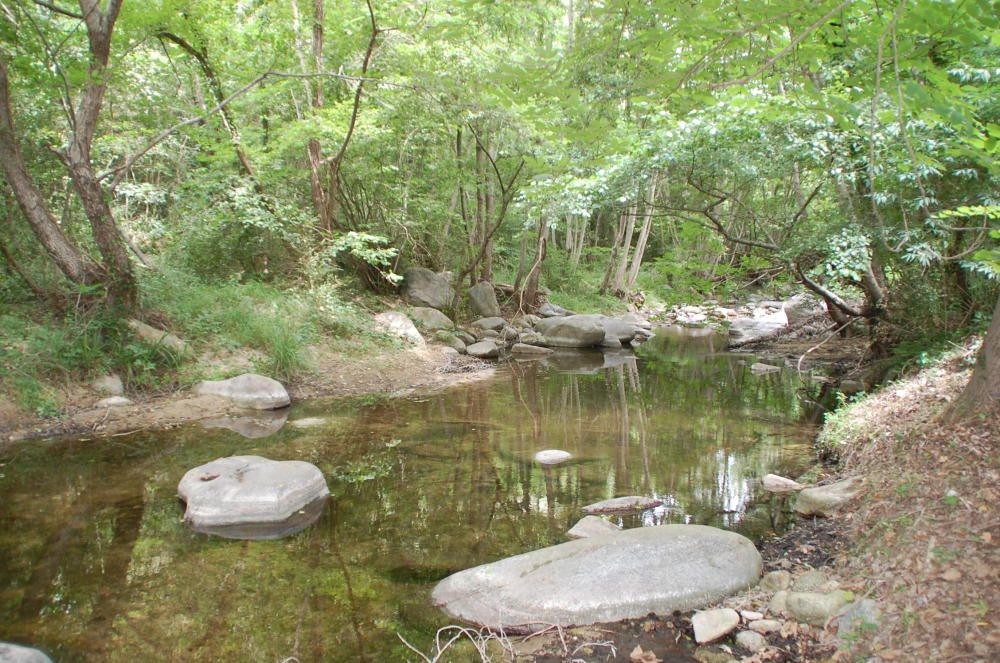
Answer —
(58, 10)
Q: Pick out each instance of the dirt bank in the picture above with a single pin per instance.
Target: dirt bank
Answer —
(334, 373)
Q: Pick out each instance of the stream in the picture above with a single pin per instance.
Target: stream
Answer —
(96, 564)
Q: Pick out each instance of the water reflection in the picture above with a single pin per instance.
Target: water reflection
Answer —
(97, 565)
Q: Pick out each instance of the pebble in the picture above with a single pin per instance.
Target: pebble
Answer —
(776, 581)
(778, 603)
(751, 615)
(765, 626)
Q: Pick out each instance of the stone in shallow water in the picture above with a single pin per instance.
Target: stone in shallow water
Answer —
(248, 390)
(252, 497)
(552, 456)
(623, 504)
(604, 579)
(589, 526)
(827, 500)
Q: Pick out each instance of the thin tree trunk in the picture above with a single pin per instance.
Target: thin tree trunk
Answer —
(647, 225)
(619, 283)
(615, 248)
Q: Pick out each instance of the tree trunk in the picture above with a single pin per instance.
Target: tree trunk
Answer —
(615, 248)
(982, 395)
(640, 245)
(529, 295)
(619, 283)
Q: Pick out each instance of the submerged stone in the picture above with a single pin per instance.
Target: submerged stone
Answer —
(623, 504)
(252, 497)
(589, 526)
(552, 456)
(11, 653)
(604, 579)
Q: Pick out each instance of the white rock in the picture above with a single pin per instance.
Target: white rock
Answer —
(774, 483)
(552, 456)
(157, 336)
(397, 324)
(765, 625)
(248, 390)
(751, 615)
(827, 500)
(710, 625)
(109, 384)
(308, 422)
(114, 401)
(11, 653)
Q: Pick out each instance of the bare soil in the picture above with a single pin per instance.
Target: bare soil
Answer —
(334, 373)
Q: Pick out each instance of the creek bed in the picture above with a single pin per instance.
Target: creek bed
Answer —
(96, 565)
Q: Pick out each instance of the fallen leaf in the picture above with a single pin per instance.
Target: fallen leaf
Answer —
(640, 656)
(951, 575)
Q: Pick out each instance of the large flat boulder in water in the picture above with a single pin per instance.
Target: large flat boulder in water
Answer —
(574, 331)
(604, 579)
(248, 390)
(627, 504)
(252, 497)
(425, 288)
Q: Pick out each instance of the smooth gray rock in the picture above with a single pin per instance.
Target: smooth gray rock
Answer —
(710, 625)
(248, 390)
(761, 368)
(509, 334)
(430, 318)
(775, 581)
(552, 456)
(495, 323)
(231, 496)
(483, 300)
(397, 324)
(113, 401)
(774, 483)
(571, 331)
(157, 336)
(465, 336)
(761, 324)
(765, 626)
(778, 604)
(532, 338)
(627, 504)
(11, 653)
(489, 333)
(827, 500)
(815, 608)
(589, 526)
(483, 350)
(532, 350)
(109, 384)
(751, 641)
(603, 579)
(425, 288)
(254, 427)
(801, 307)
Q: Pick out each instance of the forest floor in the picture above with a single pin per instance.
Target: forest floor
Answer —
(345, 371)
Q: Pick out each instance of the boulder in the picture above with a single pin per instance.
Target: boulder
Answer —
(549, 310)
(157, 336)
(483, 300)
(571, 331)
(778, 605)
(765, 626)
(525, 349)
(775, 581)
(762, 323)
(483, 350)
(465, 336)
(827, 500)
(253, 427)
(248, 390)
(11, 653)
(589, 526)
(552, 456)
(249, 497)
(109, 384)
(816, 608)
(425, 288)
(430, 318)
(603, 579)
(495, 323)
(113, 401)
(855, 617)
(626, 504)
(710, 625)
(509, 334)
(778, 484)
(810, 581)
(397, 324)
(532, 338)
(802, 307)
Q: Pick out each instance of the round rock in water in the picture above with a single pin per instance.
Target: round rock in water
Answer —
(249, 497)
(604, 579)
(10, 653)
(625, 504)
(552, 456)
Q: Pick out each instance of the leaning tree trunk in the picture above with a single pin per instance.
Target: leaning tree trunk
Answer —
(982, 395)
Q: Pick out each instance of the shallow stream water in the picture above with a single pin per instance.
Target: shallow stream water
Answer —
(96, 565)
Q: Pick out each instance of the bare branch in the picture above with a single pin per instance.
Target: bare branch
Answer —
(57, 9)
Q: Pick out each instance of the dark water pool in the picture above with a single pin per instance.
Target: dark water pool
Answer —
(95, 563)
